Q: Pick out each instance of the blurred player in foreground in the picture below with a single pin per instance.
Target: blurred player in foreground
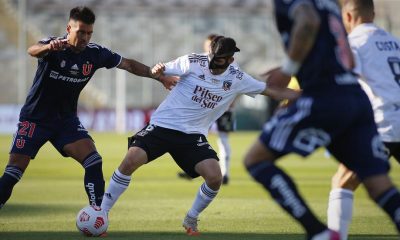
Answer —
(65, 65)
(208, 85)
(377, 55)
(225, 125)
(319, 56)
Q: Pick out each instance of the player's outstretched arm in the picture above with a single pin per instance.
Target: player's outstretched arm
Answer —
(142, 70)
(40, 50)
(279, 93)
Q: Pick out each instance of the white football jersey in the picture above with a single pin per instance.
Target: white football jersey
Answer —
(200, 97)
(377, 55)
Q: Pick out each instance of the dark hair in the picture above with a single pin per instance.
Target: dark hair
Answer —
(223, 46)
(83, 14)
(211, 36)
(364, 5)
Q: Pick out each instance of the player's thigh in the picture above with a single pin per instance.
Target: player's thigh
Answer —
(361, 150)
(189, 150)
(29, 138)
(394, 149)
(258, 152)
(80, 149)
(153, 140)
(72, 139)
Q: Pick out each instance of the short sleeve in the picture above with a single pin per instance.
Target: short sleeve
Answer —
(251, 86)
(178, 67)
(108, 58)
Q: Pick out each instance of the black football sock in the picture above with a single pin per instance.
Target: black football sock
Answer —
(390, 202)
(94, 180)
(11, 176)
(285, 193)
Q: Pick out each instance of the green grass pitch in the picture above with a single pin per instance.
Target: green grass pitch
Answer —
(45, 202)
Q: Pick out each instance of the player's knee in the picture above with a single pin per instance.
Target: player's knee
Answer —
(93, 160)
(345, 178)
(135, 158)
(214, 181)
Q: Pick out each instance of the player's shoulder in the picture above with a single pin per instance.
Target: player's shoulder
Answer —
(97, 47)
(235, 71)
(197, 59)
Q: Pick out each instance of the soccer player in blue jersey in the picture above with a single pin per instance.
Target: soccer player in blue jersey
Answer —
(65, 65)
(318, 54)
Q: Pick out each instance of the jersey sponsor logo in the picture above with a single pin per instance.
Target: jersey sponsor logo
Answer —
(202, 77)
(87, 68)
(90, 188)
(289, 198)
(206, 98)
(226, 85)
(57, 75)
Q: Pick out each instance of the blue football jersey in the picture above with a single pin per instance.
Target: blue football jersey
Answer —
(329, 62)
(59, 79)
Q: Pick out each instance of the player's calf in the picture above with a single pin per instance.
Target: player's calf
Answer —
(11, 176)
(94, 181)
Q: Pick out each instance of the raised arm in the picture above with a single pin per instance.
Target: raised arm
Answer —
(304, 31)
(142, 70)
(40, 50)
(280, 94)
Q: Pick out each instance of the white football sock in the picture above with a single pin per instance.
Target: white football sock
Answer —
(340, 211)
(203, 198)
(118, 184)
(224, 152)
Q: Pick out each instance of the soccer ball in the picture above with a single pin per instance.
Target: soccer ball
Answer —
(92, 221)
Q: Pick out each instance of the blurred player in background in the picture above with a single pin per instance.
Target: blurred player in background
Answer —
(377, 55)
(319, 56)
(207, 87)
(65, 65)
(225, 125)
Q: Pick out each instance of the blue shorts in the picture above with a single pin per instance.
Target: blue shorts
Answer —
(345, 125)
(31, 135)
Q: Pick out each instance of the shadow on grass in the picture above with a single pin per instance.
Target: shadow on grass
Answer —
(16, 209)
(172, 236)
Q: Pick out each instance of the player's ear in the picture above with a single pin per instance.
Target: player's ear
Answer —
(68, 28)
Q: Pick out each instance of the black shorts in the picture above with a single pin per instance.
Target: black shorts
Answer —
(186, 149)
(394, 149)
(226, 123)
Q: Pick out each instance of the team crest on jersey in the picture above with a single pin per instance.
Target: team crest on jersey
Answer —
(227, 85)
(86, 68)
(63, 63)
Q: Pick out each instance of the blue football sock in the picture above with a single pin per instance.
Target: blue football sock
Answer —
(285, 193)
(390, 202)
(11, 176)
(94, 180)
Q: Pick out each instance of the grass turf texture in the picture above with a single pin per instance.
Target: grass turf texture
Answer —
(45, 202)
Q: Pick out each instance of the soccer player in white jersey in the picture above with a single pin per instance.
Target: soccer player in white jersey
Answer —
(225, 124)
(377, 55)
(207, 86)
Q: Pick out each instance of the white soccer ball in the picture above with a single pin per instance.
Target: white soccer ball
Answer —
(92, 221)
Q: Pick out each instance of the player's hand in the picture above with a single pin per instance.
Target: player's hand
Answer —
(157, 70)
(169, 81)
(275, 77)
(58, 45)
